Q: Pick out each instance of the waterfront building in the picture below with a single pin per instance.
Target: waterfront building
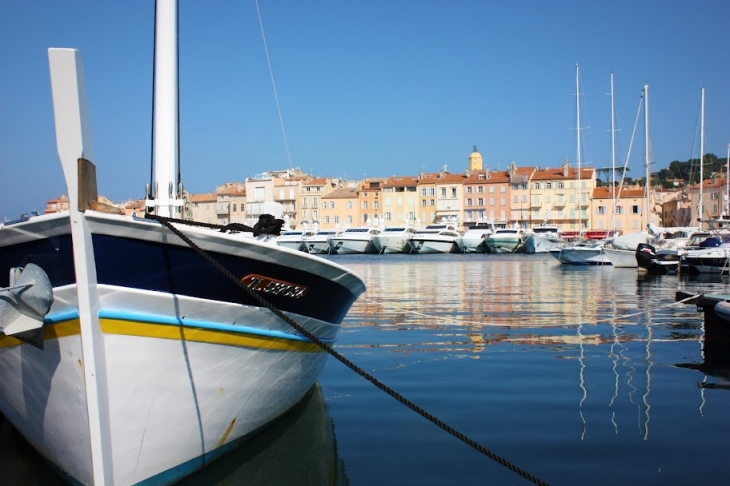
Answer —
(562, 196)
(203, 207)
(626, 213)
(369, 196)
(486, 197)
(57, 204)
(400, 200)
(714, 198)
(340, 208)
(519, 194)
(676, 209)
(231, 204)
(441, 196)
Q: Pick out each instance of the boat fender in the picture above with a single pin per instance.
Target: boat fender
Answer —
(722, 309)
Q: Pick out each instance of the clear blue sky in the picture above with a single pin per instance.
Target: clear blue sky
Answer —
(366, 87)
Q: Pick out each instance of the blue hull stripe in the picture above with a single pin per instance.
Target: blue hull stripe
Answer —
(132, 263)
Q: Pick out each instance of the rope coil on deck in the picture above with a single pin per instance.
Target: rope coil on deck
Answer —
(339, 357)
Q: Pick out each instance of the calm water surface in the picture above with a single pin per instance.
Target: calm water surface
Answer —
(574, 374)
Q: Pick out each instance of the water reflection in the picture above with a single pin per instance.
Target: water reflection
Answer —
(605, 320)
(298, 449)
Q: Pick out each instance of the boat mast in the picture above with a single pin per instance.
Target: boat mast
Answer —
(727, 182)
(613, 156)
(165, 194)
(647, 153)
(700, 209)
(577, 123)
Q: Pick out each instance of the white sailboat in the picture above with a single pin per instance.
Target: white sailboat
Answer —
(138, 350)
(622, 250)
(584, 252)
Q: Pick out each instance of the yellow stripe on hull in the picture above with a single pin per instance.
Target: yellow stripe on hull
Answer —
(166, 331)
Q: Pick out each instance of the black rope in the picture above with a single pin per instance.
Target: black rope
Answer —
(435, 420)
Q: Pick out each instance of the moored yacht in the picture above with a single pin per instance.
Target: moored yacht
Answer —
(294, 239)
(319, 242)
(435, 238)
(506, 240)
(354, 240)
(393, 239)
(474, 240)
(544, 238)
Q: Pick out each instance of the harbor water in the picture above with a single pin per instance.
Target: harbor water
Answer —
(575, 375)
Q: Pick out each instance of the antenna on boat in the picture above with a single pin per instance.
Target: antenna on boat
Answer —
(165, 191)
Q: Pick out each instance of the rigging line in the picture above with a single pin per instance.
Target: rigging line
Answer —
(631, 144)
(273, 84)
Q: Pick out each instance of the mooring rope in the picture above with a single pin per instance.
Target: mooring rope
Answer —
(339, 357)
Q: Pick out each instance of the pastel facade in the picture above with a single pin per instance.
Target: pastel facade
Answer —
(400, 200)
(625, 211)
(340, 208)
(562, 196)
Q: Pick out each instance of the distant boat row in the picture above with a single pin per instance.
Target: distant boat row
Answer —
(443, 237)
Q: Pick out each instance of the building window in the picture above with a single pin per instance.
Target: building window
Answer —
(234, 207)
(443, 192)
(388, 217)
(481, 189)
(469, 201)
(327, 220)
(560, 185)
(336, 219)
(348, 205)
(536, 185)
(480, 201)
(601, 209)
(491, 201)
(619, 210)
(635, 209)
(364, 204)
(469, 190)
(548, 185)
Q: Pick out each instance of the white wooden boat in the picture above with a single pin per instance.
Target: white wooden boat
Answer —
(393, 239)
(435, 238)
(127, 356)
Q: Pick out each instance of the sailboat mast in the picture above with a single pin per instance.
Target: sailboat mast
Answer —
(577, 124)
(165, 190)
(727, 182)
(700, 209)
(613, 156)
(647, 152)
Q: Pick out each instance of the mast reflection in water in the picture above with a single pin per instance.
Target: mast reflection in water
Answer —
(568, 372)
